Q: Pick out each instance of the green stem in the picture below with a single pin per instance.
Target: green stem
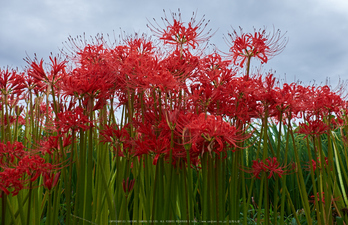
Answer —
(260, 199)
(3, 207)
(29, 203)
(89, 171)
(303, 192)
(283, 179)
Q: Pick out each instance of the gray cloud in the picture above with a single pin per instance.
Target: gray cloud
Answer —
(317, 30)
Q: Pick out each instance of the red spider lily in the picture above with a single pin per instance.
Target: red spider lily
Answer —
(152, 140)
(144, 71)
(11, 181)
(182, 64)
(156, 145)
(82, 84)
(258, 44)
(50, 179)
(313, 127)
(322, 199)
(265, 94)
(32, 85)
(11, 82)
(204, 95)
(118, 137)
(271, 166)
(57, 71)
(139, 44)
(93, 77)
(209, 83)
(52, 144)
(337, 122)
(73, 120)
(178, 34)
(215, 70)
(13, 178)
(207, 130)
(11, 151)
(133, 63)
(34, 166)
(21, 120)
(8, 120)
(155, 136)
(114, 133)
(257, 168)
(289, 100)
(321, 101)
(241, 99)
(19, 109)
(128, 185)
(316, 164)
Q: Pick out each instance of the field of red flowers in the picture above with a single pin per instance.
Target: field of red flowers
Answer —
(166, 129)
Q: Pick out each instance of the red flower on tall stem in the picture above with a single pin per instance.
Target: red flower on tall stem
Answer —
(55, 72)
(34, 166)
(322, 101)
(118, 137)
(259, 44)
(128, 185)
(320, 197)
(93, 78)
(176, 33)
(11, 82)
(271, 166)
(317, 164)
(11, 181)
(14, 177)
(50, 179)
(257, 168)
(313, 127)
(212, 133)
(11, 151)
(74, 119)
(51, 144)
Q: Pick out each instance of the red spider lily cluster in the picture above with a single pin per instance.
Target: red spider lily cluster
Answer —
(18, 168)
(317, 164)
(319, 198)
(174, 100)
(271, 166)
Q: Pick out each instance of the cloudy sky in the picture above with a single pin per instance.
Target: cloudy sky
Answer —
(317, 29)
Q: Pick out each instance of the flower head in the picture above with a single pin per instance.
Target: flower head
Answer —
(50, 179)
(257, 168)
(11, 82)
(258, 44)
(54, 74)
(213, 133)
(11, 181)
(313, 127)
(271, 166)
(128, 185)
(320, 197)
(74, 119)
(179, 34)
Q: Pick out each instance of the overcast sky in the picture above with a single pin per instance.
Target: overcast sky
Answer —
(317, 29)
